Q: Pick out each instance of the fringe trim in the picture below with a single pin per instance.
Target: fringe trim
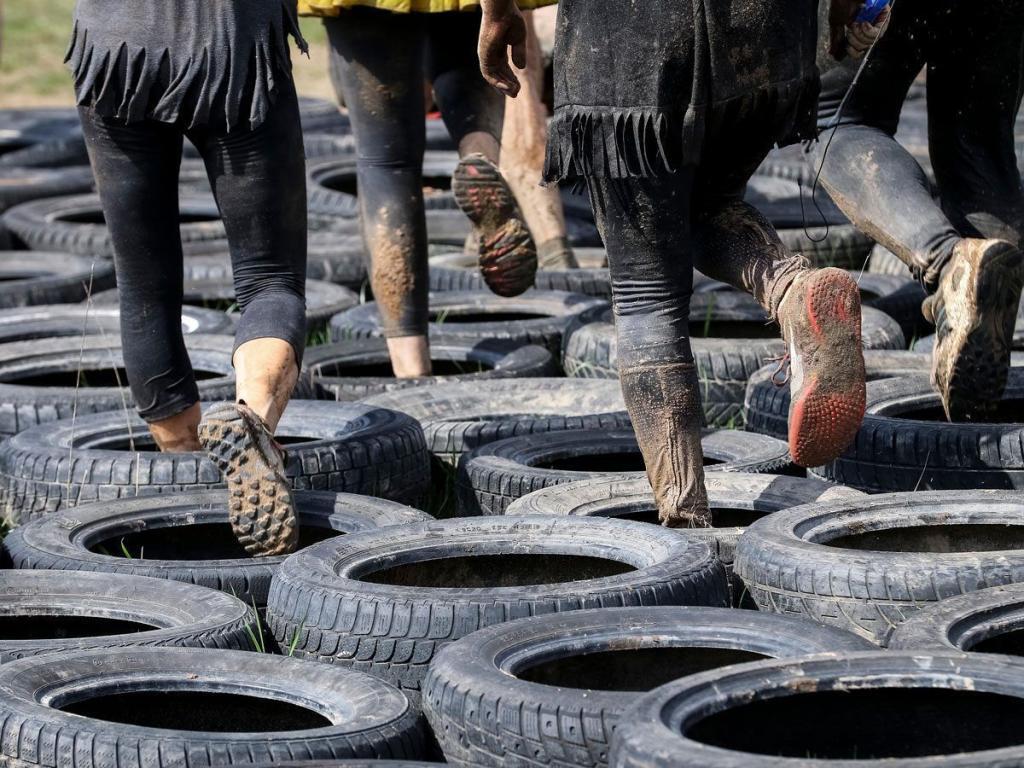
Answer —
(643, 142)
(133, 84)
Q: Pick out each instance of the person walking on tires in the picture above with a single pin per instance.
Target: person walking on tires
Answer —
(963, 246)
(148, 73)
(382, 51)
(665, 109)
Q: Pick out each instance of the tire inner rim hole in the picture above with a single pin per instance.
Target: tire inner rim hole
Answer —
(383, 369)
(99, 376)
(632, 669)
(867, 724)
(455, 317)
(721, 517)
(492, 571)
(61, 627)
(347, 184)
(732, 329)
(1010, 643)
(198, 711)
(1007, 411)
(205, 541)
(938, 539)
(624, 461)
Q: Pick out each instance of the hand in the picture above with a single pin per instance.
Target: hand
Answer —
(841, 15)
(502, 28)
(861, 35)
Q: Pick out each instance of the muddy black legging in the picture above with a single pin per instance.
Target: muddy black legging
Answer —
(379, 63)
(975, 79)
(258, 179)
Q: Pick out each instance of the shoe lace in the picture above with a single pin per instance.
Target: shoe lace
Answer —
(782, 368)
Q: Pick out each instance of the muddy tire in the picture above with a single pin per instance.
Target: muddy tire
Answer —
(568, 705)
(458, 271)
(736, 500)
(495, 475)
(57, 320)
(75, 224)
(986, 621)
(33, 277)
(186, 537)
(536, 317)
(326, 593)
(51, 613)
(331, 446)
(157, 707)
(869, 564)
(360, 368)
(457, 418)
(906, 444)
(766, 407)
(947, 709)
(21, 185)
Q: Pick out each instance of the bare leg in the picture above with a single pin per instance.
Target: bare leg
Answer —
(410, 356)
(267, 372)
(179, 433)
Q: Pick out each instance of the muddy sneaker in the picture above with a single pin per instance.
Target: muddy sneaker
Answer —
(260, 505)
(974, 311)
(508, 257)
(820, 319)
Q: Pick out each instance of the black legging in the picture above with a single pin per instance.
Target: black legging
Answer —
(975, 78)
(379, 64)
(258, 179)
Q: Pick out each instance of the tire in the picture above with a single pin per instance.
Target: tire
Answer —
(167, 721)
(55, 320)
(322, 116)
(35, 277)
(21, 185)
(393, 630)
(986, 621)
(930, 710)
(21, 128)
(766, 407)
(45, 380)
(724, 365)
(495, 475)
(323, 300)
(845, 564)
(355, 449)
(178, 524)
(839, 245)
(536, 317)
(75, 224)
(905, 442)
(789, 163)
(550, 690)
(899, 298)
(736, 500)
(457, 418)
(885, 262)
(458, 271)
(361, 368)
(927, 343)
(56, 153)
(53, 614)
(348, 764)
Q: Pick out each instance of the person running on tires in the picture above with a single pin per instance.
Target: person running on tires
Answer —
(665, 109)
(963, 247)
(381, 52)
(147, 74)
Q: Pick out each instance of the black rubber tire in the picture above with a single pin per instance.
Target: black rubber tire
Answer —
(548, 314)
(36, 277)
(322, 116)
(649, 733)
(157, 612)
(21, 185)
(334, 370)
(54, 224)
(885, 262)
(394, 631)
(898, 297)
(323, 300)
(724, 365)
(26, 405)
(348, 764)
(474, 684)
(357, 449)
(21, 128)
(366, 717)
(458, 271)
(62, 541)
(840, 245)
(55, 320)
(799, 561)
(55, 153)
(457, 418)
(790, 163)
(495, 475)
(892, 453)
(766, 406)
(733, 498)
(987, 621)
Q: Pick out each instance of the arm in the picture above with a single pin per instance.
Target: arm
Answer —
(502, 28)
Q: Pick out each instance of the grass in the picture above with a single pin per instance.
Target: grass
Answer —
(35, 38)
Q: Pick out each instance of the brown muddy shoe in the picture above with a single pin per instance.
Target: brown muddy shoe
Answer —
(508, 257)
(974, 311)
(820, 320)
(260, 505)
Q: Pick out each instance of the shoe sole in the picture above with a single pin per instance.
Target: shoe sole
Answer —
(829, 408)
(981, 356)
(260, 507)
